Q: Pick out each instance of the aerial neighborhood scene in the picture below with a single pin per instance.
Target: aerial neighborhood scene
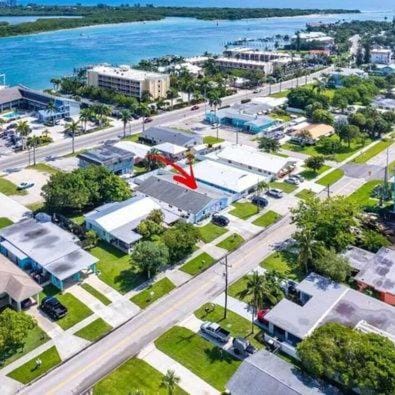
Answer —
(197, 198)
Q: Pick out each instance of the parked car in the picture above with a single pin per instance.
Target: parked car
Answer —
(298, 177)
(292, 180)
(220, 220)
(242, 346)
(215, 331)
(259, 201)
(53, 308)
(285, 245)
(148, 120)
(261, 316)
(25, 185)
(277, 193)
(194, 108)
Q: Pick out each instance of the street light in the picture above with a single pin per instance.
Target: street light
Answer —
(226, 276)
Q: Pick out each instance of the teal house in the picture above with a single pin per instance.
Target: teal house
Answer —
(49, 253)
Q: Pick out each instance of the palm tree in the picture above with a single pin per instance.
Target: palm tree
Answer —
(55, 82)
(171, 94)
(33, 142)
(125, 117)
(73, 127)
(189, 87)
(85, 115)
(51, 108)
(307, 248)
(215, 101)
(170, 381)
(145, 112)
(24, 130)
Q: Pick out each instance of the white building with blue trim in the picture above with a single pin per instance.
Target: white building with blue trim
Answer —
(46, 250)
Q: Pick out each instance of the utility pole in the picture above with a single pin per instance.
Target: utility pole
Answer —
(226, 274)
(328, 191)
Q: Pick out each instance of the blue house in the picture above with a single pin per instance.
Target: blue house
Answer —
(249, 123)
(117, 160)
(45, 250)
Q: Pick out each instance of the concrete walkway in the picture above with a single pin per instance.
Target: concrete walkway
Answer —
(189, 382)
(9, 208)
(103, 288)
(9, 386)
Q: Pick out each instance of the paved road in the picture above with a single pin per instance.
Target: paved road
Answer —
(90, 140)
(86, 368)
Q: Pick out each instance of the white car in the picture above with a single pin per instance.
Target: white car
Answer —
(277, 193)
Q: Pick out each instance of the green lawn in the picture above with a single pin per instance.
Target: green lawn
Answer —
(283, 186)
(212, 140)
(285, 263)
(116, 269)
(244, 210)
(373, 151)
(98, 295)
(210, 232)
(44, 168)
(343, 153)
(310, 174)
(35, 207)
(362, 196)
(231, 243)
(198, 355)
(198, 264)
(238, 287)
(5, 222)
(331, 177)
(95, 330)
(152, 293)
(77, 311)
(305, 193)
(34, 338)
(283, 93)
(134, 137)
(267, 219)
(133, 375)
(78, 219)
(234, 323)
(280, 116)
(10, 189)
(29, 371)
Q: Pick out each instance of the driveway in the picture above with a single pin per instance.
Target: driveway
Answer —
(13, 210)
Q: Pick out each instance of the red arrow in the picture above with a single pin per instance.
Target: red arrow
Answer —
(184, 178)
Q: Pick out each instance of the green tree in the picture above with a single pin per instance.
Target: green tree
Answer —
(126, 116)
(332, 265)
(172, 94)
(72, 128)
(268, 145)
(91, 239)
(23, 128)
(156, 216)
(51, 108)
(365, 361)
(150, 256)
(314, 162)
(14, 328)
(148, 229)
(339, 102)
(372, 240)
(180, 240)
(85, 115)
(170, 381)
(322, 116)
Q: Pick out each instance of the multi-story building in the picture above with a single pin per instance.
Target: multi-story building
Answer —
(258, 55)
(130, 82)
(380, 56)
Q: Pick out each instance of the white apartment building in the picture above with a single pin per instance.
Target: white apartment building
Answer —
(258, 55)
(130, 82)
(380, 56)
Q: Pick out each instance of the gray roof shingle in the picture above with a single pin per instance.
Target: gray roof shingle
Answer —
(173, 136)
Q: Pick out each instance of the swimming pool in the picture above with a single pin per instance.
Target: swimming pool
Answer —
(11, 115)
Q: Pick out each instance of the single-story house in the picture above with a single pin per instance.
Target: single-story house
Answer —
(159, 134)
(47, 251)
(384, 103)
(16, 286)
(384, 69)
(264, 373)
(336, 78)
(245, 121)
(254, 161)
(116, 222)
(171, 151)
(374, 271)
(317, 130)
(192, 205)
(227, 178)
(139, 151)
(320, 300)
(117, 160)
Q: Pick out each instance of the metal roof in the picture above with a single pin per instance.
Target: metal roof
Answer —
(174, 194)
(263, 373)
(106, 155)
(8, 95)
(173, 136)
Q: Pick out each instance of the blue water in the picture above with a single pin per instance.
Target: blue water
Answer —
(33, 60)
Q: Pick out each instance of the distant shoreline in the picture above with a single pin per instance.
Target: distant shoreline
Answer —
(87, 16)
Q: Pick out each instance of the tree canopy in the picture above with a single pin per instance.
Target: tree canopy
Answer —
(355, 359)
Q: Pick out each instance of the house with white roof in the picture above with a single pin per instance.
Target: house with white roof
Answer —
(116, 222)
(249, 159)
(139, 151)
(171, 151)
(233, 180)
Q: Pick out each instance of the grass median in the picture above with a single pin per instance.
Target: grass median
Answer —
(95, 330)
(198, 264)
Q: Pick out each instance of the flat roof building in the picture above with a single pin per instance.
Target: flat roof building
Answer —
(115, 159)
(249, 159)
(374, 271)
(117, 222)
(128, 81)
(319, 301)
(139, 151)
(46, 249)
(171, 151)
(159, 134)
(380, 55)
(192, 205)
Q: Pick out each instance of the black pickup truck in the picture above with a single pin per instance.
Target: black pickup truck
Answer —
(53, 308)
